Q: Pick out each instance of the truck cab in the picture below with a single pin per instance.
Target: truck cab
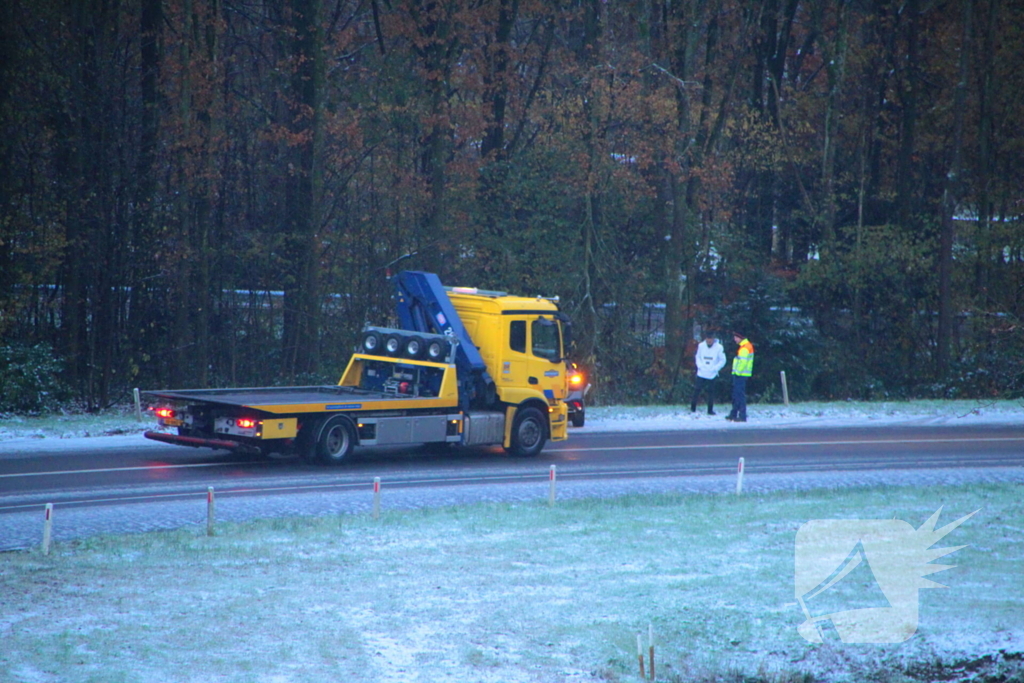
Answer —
(521, 342)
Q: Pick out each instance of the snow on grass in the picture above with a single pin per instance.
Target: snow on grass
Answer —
(810, 414)
(112, 422)
(505, 593)
(510, 592)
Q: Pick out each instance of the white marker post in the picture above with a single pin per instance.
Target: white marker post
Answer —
(785, 388)
(376, 497)
(640, 655)
(739, 477)
(47, 528)
(551, 486)
(138, 405)
(211, 511)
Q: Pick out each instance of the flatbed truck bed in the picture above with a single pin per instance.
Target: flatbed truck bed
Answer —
(278, 400)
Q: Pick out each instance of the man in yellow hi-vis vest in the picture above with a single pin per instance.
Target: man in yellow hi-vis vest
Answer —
(742, 369)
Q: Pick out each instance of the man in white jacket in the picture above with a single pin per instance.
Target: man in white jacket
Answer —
(710, 359)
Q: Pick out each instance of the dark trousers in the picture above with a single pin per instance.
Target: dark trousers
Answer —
(739, 398)
(703, 386)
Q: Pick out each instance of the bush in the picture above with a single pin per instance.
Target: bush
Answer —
(30, 379)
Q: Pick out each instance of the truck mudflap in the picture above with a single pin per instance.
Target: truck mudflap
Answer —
(201, 442)
(559, 424)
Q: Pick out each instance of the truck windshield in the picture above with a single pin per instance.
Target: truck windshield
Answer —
(546, 339)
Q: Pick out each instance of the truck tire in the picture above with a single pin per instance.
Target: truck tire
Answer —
(393, 344)
(529, 433)
(335, 440)
(437, 350)
(578, 418)
(372, 343)
(413, 347)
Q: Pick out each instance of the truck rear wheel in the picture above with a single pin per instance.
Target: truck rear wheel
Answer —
(336, 439)
(529, 433)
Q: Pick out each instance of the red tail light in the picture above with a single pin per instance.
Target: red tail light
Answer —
(245, 422)
(165, 412)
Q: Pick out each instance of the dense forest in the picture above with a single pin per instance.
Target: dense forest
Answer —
(212, 192)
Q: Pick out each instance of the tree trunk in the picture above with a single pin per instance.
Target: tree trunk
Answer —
(950, 198)
(835, 58)
(987, 97)
(148, 303)
(905, 164)
(303, 191)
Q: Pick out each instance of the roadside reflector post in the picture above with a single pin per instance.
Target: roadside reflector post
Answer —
(376, 497)
(47, 528)
(640, 655)
(785, 388)
(211, 511)
(138, 405)
(650, 640)
(552, 476)
(739, 477)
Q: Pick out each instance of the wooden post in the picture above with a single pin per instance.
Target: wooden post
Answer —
(376, 497)
(551, 486)
(47, 528)
(138, 405)
(650, 640)
(739, 477)
(211, 511)
(640, 655)
(785, 388)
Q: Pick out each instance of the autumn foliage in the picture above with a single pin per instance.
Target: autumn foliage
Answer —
(210, 192)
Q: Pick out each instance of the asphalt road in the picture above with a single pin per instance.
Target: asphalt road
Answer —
(96, 479)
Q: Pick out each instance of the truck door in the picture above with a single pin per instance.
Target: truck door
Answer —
(516, 358)
(547, 365)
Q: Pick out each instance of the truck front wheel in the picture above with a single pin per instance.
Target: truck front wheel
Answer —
(336, 439)
(529, 433)
(578, 418)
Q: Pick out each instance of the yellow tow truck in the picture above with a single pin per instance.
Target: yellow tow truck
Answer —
(466, 367)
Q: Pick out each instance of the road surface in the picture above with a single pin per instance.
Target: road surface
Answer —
(156, 486)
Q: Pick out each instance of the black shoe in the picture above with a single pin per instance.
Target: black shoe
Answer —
(730, 418)
(711, 412)
(739, 419)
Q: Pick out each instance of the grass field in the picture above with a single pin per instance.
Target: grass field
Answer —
(507, 593)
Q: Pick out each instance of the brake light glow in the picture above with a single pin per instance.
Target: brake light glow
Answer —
(166, 413)
(576, 379)
(245, 422)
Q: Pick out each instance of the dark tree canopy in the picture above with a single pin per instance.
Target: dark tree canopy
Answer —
(208, 192)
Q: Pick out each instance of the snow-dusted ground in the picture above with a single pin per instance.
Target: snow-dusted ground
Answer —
(510, 591)
(811, 415)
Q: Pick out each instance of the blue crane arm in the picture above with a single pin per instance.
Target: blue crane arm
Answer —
(423, 306)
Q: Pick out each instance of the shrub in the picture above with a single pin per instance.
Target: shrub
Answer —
(30, 379)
